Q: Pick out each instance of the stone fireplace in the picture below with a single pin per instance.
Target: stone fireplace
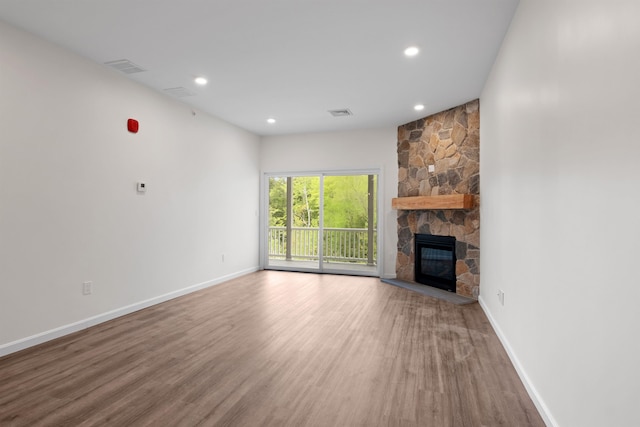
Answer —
(440, 155)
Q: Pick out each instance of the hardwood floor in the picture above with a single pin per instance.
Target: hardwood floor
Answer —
(274, 349)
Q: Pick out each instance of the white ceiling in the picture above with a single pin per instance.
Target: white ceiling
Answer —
(288, 59)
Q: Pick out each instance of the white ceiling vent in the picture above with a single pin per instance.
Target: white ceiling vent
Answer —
(125, 66)
(180, 92)
(341, 113)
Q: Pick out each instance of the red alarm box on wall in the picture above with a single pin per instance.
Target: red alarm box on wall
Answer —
(132, 125)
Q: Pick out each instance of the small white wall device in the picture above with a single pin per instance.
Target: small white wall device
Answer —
(142, 187)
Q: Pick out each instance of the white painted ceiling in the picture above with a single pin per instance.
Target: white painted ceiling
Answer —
(292, 60)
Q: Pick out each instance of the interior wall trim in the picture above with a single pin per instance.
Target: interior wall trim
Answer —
(61, 331)
(543, 409)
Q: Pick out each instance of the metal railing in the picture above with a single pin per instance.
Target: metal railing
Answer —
(339, 244)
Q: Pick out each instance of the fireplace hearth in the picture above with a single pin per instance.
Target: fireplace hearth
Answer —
(435, 261)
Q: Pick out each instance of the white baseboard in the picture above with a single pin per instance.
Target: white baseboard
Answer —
(533, 393)
(42, 337)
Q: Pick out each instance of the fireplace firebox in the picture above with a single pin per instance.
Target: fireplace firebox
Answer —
(435, 261)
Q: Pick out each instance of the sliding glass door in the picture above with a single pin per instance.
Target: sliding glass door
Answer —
(324, 222)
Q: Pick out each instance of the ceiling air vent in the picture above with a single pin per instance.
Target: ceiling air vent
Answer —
(180, 92)
(125, 66)
(341, 113)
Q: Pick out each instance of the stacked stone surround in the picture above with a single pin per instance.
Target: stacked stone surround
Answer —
(449, 142)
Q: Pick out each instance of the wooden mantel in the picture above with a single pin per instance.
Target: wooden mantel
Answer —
(447, 201)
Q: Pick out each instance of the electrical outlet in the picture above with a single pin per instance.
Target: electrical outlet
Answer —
(87, 288)
(501, 296)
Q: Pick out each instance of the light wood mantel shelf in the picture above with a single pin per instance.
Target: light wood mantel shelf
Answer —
(447, 201)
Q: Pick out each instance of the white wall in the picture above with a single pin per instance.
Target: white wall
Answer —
(365, 149)
(560, 229)
(69, 211)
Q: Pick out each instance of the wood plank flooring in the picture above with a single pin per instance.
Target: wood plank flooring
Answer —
(274, 349)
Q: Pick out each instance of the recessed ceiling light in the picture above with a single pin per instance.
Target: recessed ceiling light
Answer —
(271, 120)
(200, 81)
(418, 107)
(411, 51)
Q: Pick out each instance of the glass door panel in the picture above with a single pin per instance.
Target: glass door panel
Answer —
(349, 224)
(293, 240)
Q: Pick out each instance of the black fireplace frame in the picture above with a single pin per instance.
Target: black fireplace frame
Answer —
(447, 243)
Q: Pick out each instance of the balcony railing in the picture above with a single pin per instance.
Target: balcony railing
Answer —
(339, 244)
